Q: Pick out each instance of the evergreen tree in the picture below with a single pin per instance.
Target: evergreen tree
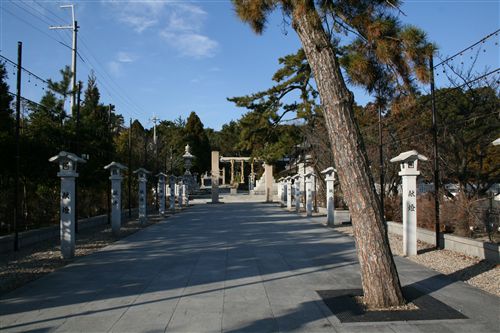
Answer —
(198, 140)
(379, 276)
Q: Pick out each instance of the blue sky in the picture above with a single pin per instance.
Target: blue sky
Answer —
(172, 57)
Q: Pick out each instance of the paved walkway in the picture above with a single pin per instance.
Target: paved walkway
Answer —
(232, 267)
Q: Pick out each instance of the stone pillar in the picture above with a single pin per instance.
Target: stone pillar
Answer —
(173, 192)
(330, 202)
(242, 177)
(143, 196)
(185, 195)
(224, 175)
(269, 180)
(116, 195)
(179, 195)
(67, 172)
(215, 177)
(232, 172)
(280, 190)
(309, 179)
(161, 192)
(408, 162)
(289, 193)
(298, 194)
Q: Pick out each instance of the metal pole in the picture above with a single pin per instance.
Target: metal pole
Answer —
(381, 157)
(130, 169)
(73, 66)
(435, 148)
(18, 154)
(77, 150)
(108, 186)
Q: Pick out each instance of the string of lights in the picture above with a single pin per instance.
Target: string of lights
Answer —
(468, 48)
(24, 69)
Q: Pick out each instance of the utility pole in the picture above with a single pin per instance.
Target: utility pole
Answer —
(154, 120)
(130, 169)
(435, 148)
(74, 27)
(77, 149)
(110, 136)
(18, 154)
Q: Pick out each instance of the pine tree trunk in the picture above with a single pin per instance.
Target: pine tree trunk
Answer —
(380, 280)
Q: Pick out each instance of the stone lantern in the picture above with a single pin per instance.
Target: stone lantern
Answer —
(116, 195)
(409, 172)
(142, 175)
(296, 185)
(161, 191)
(310, 179)
(67, 172)
(330, 202)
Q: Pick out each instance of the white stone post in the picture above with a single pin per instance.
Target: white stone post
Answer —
(409, 172)
(173, 193)
(280, 190)
(116, 195)
(177, 195)
(161, 192)
(269, 180)
(298, 194)
(67, 172)
(215, 177)
(142, 177)
(288, 192)
(330, 199)
(309, 179)
(185, 195)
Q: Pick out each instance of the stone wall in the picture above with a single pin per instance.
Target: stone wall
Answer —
(467, 246)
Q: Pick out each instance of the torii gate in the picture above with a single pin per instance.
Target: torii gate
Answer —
(242, 160)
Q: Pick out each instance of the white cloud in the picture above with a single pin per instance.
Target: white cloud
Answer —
(183, 31)
(190, 44)
(140, 15)
(179, 24)
(115, 68)
(125, 57)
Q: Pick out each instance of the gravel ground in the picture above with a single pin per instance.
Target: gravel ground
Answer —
(19, 268)
(474, 271)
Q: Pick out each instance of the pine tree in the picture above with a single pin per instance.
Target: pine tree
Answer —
(198, 140)
(380, 280)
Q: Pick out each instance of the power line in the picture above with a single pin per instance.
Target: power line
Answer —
(36, 28)
(65, 37)
(111, 82)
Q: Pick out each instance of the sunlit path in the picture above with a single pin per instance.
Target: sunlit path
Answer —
(237, 266)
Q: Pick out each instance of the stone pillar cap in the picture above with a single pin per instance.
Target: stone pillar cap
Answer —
(310, 174)
(287, 178)
(63, 155)
(329, 170)
(142, 170)
(116, 165)
(297, 176)
(410, 155)
(161, 174)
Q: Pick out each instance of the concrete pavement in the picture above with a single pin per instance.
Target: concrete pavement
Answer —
(233, 267)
